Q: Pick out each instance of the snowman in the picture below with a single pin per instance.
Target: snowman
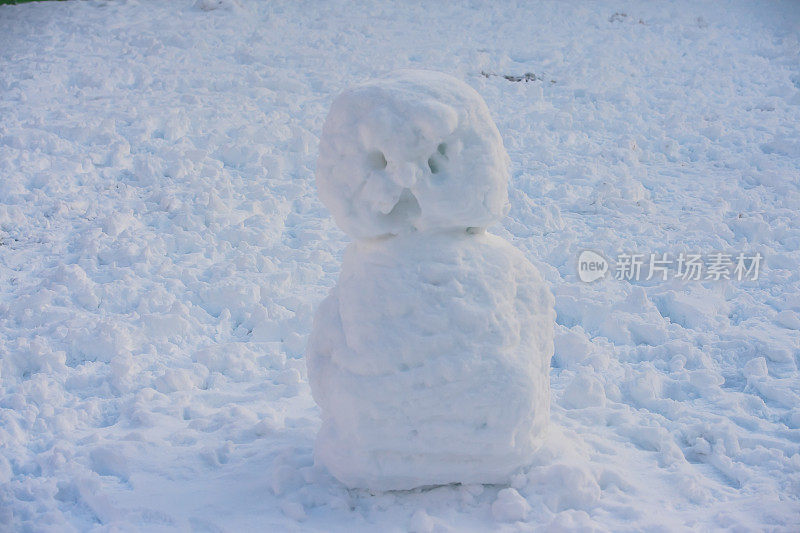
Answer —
(430, 358)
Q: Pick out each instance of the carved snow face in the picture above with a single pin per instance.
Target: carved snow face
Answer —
(414, 151)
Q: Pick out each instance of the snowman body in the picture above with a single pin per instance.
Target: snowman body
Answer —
(429, 359)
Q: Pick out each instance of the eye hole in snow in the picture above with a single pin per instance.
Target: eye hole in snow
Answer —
(435, 161)
(376, 160)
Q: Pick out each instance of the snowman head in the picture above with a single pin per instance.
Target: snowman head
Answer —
(414, 151)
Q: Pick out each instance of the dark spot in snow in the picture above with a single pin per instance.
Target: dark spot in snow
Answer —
(528, 76)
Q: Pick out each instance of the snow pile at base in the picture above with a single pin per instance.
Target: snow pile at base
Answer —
(415, 150)
(430, 362)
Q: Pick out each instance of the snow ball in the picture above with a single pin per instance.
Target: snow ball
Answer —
(413, 151)
(177, 379)
(584, 391)
(284, 479)
(706, 380)
(519, 480)
(510, 506)
(211, 5)
(569, 521)
(116, 223)
(109, 461)
(421, 522)
(756, 368)
(788, 319)
(567, 486)
(294, 510)
(267, 426)
(572, 346)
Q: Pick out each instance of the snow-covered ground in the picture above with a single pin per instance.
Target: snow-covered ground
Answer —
(163, 248)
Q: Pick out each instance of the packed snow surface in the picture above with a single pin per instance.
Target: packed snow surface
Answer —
(163, 248)
(415, 150)
(430, 362)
